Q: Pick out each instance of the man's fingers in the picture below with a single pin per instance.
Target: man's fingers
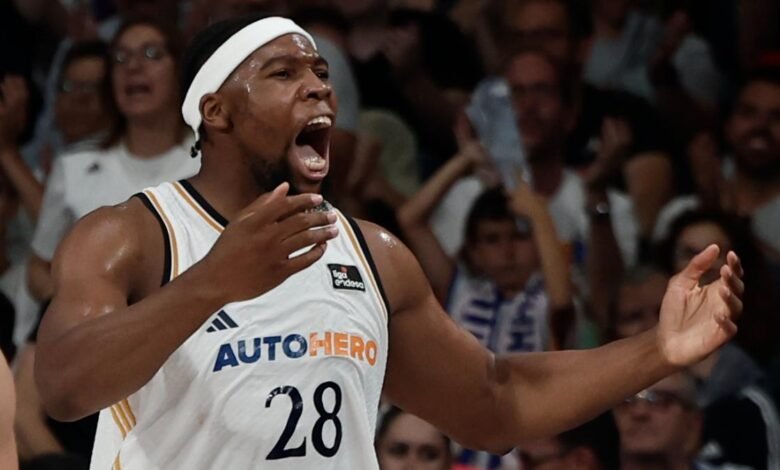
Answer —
(732, 280)
(701, 263)
(304, 260)
(265, 202)
(735, 264)
(304, 221)
(306, 238)
(732, 301)
(728, 326)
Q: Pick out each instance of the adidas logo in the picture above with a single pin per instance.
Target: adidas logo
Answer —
(223, 322)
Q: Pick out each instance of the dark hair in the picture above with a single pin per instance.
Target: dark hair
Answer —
(84, 50)
(202, 46)
(491, 205)
(764, 74)
(173, 45)
(599, 435)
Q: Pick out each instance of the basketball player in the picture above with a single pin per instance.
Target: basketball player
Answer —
(223, 322)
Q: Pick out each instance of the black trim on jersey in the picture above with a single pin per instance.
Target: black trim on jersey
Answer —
(166, 240)
(204, 203)
(367, 253)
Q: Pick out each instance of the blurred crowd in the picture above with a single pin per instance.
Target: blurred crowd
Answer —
(551, 163)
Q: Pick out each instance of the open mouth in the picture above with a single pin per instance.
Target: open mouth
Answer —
(312, 147)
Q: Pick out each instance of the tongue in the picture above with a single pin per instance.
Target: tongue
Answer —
(310, 158)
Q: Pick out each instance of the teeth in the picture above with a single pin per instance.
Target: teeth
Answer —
(323, 121)
(314, 163)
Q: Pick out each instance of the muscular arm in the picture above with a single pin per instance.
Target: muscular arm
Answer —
(440, 373)
(90, 335)
(110, 326)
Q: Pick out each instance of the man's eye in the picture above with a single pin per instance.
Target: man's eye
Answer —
(323, 74)
(281, 74)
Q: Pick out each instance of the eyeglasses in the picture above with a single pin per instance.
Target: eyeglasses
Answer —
(149, 53)
(658, 399)
(84, 88)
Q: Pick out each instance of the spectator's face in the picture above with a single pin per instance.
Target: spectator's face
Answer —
(542, 118)
(144, 74)
(412, 444)
(693, 240)
(613, 12)
(754, 130)
(502, 254)
(541, 24)
(638, 305)
(81, 109)
(661, 421)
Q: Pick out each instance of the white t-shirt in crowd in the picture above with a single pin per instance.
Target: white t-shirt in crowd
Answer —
(82, 182)
(567, 208)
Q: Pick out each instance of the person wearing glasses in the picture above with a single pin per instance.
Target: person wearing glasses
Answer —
(147, 145)
(661, 426)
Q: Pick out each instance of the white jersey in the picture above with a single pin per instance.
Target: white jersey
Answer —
(288, 380)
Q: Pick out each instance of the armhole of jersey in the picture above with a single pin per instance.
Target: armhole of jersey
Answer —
(166, 238)
(364, 247)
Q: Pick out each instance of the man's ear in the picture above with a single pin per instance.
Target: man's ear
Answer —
(215, 112)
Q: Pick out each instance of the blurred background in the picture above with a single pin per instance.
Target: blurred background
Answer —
(550, 162)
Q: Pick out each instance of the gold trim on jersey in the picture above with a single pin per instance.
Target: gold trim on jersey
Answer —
(171, 234)
(364, 262)
(117, 463)
(118, 421)
(199, 210)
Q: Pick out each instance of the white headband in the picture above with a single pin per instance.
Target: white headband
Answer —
(228, 56)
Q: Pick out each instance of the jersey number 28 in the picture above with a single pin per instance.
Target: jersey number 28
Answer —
(280, 450)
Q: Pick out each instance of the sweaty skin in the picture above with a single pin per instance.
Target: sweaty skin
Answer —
(108, 300)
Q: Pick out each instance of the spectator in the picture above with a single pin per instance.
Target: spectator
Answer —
(405, 442)
(149, 146)
(416, 64)
(740, 421)
(633, 51)
(511, 287)
(661, 427)
(746, 182)
(594, 445)
(83, 110)
(20, 197)
(637, 302)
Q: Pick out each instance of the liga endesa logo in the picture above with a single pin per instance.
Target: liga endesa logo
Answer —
(296, 346)
(346, 277)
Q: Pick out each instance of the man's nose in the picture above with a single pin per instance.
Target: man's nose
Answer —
(316, 88)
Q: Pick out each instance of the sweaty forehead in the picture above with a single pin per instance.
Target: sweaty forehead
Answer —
(289, 46)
